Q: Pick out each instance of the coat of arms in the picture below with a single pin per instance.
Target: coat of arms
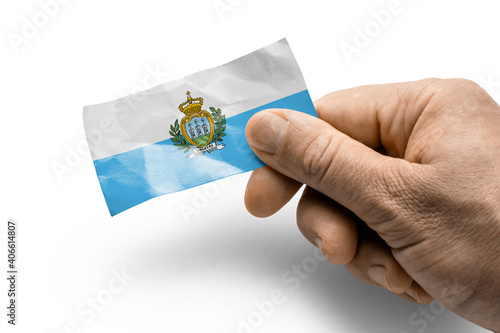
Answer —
(199, 130)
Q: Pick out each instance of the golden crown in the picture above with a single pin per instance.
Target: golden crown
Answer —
(192, 105)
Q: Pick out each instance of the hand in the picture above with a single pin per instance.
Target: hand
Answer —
(403, 187)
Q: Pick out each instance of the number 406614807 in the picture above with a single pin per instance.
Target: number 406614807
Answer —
(11, 244)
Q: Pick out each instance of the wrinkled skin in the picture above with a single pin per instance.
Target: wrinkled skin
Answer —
(402, 187)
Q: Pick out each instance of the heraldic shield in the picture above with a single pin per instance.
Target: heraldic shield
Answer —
(197, 126)
(199, 131)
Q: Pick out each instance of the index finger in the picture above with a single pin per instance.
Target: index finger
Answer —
(379, 116)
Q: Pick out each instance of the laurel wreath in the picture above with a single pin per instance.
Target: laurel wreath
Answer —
(220, 126)
(177, 137)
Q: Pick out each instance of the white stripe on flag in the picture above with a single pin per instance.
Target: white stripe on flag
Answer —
(263, 76)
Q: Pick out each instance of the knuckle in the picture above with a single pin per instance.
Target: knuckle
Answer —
(464, 88)
(318, 156)
(464, 83)
(456, 90)
(455, 85)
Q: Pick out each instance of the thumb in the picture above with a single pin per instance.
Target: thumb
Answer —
(313, 152)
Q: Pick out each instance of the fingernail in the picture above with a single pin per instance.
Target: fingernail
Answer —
(266, 131)
(319, 242)
(412, 292)
(378, 275)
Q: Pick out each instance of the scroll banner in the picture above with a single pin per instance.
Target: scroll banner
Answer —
(210, 148)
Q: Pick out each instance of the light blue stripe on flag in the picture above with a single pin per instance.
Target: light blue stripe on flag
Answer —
(130, 178)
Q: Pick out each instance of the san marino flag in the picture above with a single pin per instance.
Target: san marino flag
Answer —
(190, 131)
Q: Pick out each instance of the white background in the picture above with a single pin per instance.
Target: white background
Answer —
(202, 272)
